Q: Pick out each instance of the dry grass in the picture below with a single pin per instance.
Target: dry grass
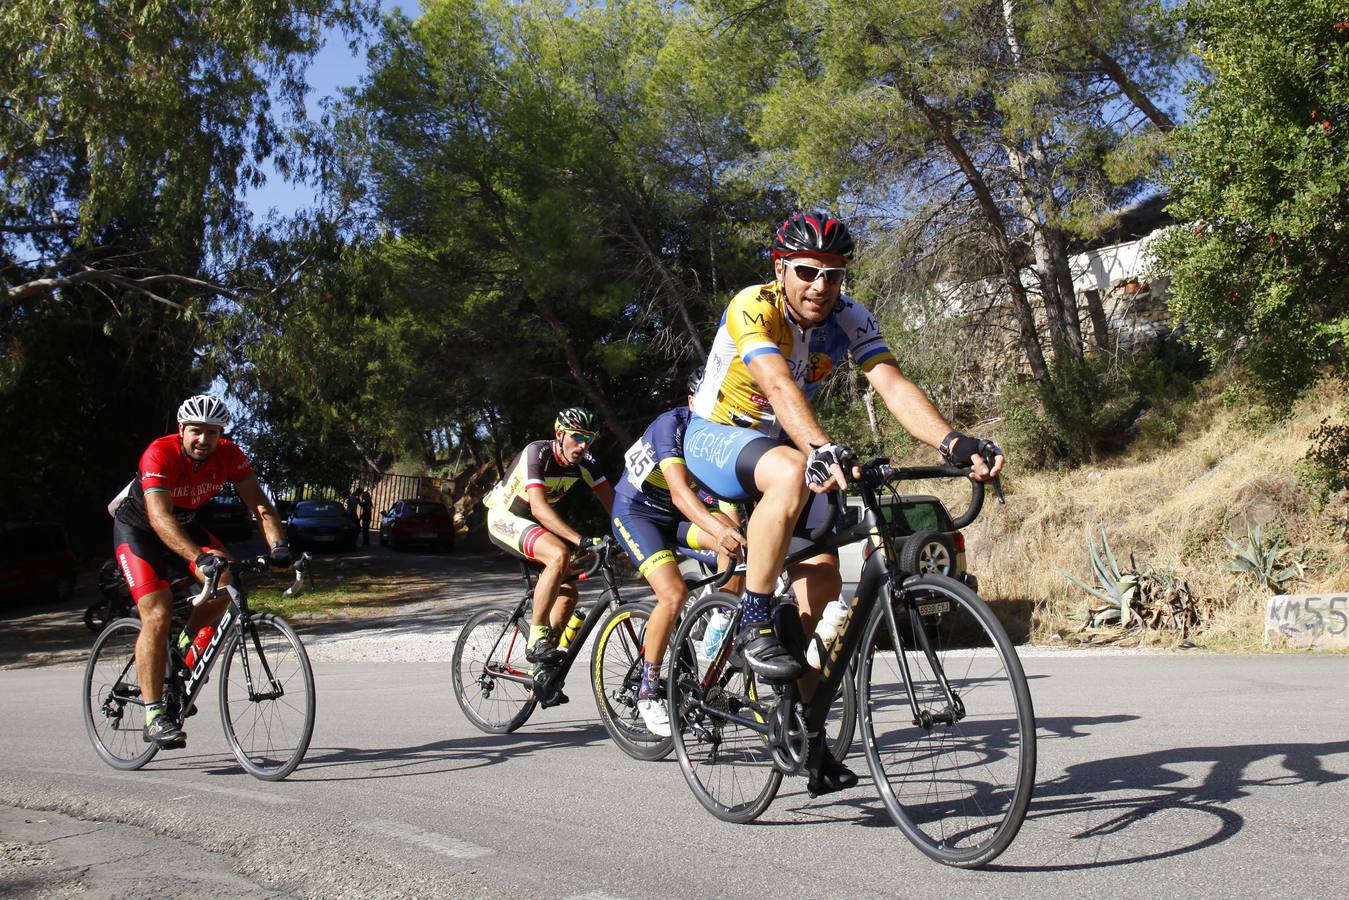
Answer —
(1170, 508)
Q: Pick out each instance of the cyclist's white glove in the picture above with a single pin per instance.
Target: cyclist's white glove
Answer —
(820, 463)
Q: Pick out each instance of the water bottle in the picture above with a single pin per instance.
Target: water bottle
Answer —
(573, 625)
(717, 626)
(199, 644)
(835, 614)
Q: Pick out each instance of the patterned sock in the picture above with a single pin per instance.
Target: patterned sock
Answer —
(153, 711)
(754, 608)
(184, 639)
(650, 689)
(536, 634)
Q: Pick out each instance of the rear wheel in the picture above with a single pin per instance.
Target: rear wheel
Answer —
(959, 779)
(492, 678)
(726, 763)
(114, 711)
(616, 677)
(266, 697)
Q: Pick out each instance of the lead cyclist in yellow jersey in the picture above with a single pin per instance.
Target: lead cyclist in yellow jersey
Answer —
(755, 434)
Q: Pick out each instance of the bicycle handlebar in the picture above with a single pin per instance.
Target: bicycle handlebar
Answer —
(601, 554)
(879, 471)
(252, 567)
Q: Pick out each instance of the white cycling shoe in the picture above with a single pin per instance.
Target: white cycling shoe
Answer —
(654, 716)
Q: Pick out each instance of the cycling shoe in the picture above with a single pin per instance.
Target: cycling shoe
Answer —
(765, 654)
(831, 776)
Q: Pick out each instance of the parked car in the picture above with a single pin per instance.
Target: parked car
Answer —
(36, 563)
(321, 525)
(226, 517)
(417, 522)
(929, 541)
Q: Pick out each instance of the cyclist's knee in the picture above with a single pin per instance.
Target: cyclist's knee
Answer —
(156, 610)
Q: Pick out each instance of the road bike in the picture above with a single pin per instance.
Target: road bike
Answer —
(946, 717)
(497, 688)
(266, 686)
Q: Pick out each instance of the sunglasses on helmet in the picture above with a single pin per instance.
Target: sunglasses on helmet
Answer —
(809, 274)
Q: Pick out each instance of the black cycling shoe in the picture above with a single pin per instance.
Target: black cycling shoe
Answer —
(167, 733)
(765, 654)
(832, 776)
(555, 697)
(544, 651)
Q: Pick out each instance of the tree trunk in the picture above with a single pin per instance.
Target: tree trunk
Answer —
(1100, 325)
(1131, 90)
(669, 287)
(997, 229)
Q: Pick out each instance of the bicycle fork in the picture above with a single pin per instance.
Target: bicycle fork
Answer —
(954, 710)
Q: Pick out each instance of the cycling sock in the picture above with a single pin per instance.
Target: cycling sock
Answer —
(754, 608)
(153, 711)
(536, 633)
(184, 639)
(650, 689)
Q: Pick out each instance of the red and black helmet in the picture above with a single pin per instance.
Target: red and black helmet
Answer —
(815, 233)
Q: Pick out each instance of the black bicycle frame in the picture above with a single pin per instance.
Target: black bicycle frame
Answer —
(608, 597)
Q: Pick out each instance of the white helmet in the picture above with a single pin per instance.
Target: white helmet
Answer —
(203, 409)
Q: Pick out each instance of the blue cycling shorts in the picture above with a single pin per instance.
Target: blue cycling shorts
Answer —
(722, 457)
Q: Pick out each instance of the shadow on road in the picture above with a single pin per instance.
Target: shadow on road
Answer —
(456, 755)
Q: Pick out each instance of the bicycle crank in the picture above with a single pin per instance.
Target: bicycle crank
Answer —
(787, 738)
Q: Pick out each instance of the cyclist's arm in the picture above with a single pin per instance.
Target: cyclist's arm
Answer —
(687, 502)
(541, 511)
(159, 508)
(790, 406)
(912, 408)
(604, 492)
(268, 518)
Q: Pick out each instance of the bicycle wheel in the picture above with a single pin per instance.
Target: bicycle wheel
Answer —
(616, 676)
(958, 781)
(266, 697)
(727, 764)
(114, 713)
(488, 657)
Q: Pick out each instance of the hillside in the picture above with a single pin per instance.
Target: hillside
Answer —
(1171, 508)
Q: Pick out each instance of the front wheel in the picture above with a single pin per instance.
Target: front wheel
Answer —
(713, 699)
(616, 677)
(114, 711)
(957, 777)
(266, 697)
(492, 679)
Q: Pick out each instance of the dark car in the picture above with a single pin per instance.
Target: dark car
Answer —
(412, 522)
(226, 517)
(36, 563)
(321, 525)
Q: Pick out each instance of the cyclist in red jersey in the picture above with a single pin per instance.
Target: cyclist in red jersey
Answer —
(153, 526)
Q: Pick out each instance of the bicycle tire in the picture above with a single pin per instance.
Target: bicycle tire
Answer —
(111, 691)
(269, 723)
(843, 713)
(494, 705)
(616, 676)
(728, 766)
(958, 790)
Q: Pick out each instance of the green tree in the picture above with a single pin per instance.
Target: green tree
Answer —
(1261, 182)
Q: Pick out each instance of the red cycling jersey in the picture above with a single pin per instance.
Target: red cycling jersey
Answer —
(165, 467)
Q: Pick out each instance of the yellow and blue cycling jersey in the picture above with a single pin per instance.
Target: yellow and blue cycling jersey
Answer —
(757, 322)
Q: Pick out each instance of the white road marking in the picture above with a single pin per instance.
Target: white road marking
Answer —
(428, 840)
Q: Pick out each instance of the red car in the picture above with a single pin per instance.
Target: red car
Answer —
(413, 522)
(36, 563)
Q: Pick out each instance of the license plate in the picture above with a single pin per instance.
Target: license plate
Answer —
(425, 535)
(934, 609)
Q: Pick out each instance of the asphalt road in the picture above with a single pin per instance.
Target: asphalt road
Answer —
(1187, 775)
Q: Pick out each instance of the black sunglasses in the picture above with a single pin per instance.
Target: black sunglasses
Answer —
(808, 274)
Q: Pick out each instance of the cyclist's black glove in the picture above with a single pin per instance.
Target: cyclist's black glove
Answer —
(209, 565)
(958, 448)
(280, 558)
(821, 460)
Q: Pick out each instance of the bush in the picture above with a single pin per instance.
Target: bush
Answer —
(1325, 467)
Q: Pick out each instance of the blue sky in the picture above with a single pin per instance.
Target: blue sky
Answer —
(334, 67)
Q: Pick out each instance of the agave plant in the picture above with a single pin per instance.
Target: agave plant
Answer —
(1116, 588)
(1265, 559)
